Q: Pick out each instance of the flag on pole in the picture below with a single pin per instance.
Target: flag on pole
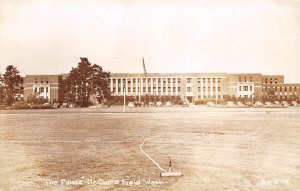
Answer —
(144, 66)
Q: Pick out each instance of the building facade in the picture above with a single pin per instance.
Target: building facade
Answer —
(203, 86)
(43, 86)
(189, 86)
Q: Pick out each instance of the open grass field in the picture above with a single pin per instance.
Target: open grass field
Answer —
(99, 149)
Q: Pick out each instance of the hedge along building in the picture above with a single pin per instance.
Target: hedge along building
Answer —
(189, 86)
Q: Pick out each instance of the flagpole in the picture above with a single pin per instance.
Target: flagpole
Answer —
(140, 88)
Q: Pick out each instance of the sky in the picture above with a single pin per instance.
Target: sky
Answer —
(233, 36)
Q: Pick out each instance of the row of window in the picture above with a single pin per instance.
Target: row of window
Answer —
(41, 89)
(209, 96)
(245, 79)
(282, 89)
(245, 88)
(270, 80)
(42, 81)
(164, 80)
(149, 89)
(208, 80)
(159, 80)
(189, 89)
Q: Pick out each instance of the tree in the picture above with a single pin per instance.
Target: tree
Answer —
(11, 85)
(83, 81)
(1, 90)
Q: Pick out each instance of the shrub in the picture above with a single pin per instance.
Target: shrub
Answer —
(20, 105)
(200, 102)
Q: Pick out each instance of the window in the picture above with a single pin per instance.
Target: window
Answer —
(214, 89)
(169, 80)
(240, 79)
(179, 80)
(41, 80)
(281, 89)
(199, 89)
(285, 89)
(250, 79)
(179, 89)
(47, 81)
(240, 88)
(189, 80)
(149, 89)
(219, 89)
(47, 89)
(119, 80)
(214, 80)
(290, 88)
(119, 89)
(219, 80)
(36, 80)
(189, 89)
(42, 90)
(158, 80)
(133, 81)
(159, 89)
(266, 80)
(245, 79)
(250, 88)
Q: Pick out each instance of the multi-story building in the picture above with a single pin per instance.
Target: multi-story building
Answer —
(44, 86)
(190, 86)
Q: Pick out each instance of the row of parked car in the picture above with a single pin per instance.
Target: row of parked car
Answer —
(267, 104)
(155, 104)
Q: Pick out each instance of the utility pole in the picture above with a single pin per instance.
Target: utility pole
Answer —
(124, 92)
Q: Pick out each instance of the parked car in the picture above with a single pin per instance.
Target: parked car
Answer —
(130, 104)
(210, 104)
(139, 104)
(55, 105)
(158, 104)
(65, 105)
(168, 104)
(150, 104)
(185, 104)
